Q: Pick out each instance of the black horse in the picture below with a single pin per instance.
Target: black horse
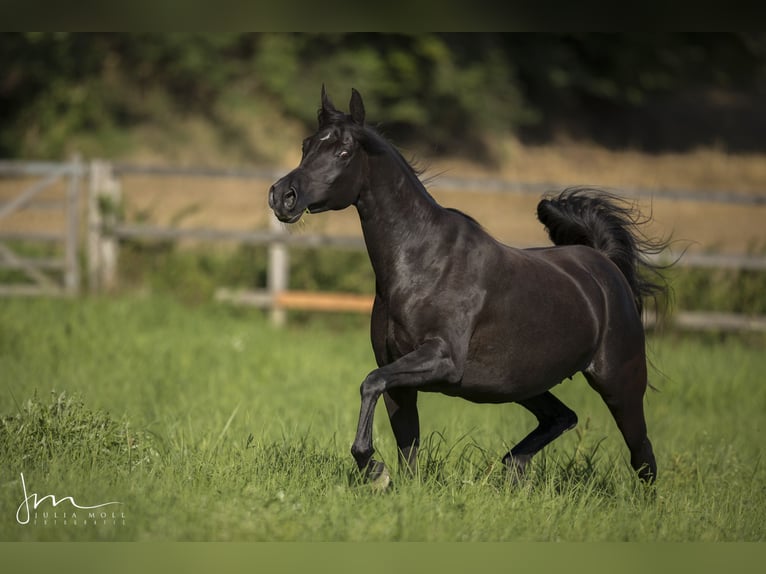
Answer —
(457, 312)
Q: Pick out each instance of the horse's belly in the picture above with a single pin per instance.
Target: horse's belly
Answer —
(483, 391)
(485, 385)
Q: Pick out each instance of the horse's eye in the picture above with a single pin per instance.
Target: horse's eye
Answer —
(343, 153)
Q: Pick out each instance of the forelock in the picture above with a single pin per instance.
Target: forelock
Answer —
(325, 117)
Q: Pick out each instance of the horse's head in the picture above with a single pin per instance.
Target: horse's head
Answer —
(331, 171)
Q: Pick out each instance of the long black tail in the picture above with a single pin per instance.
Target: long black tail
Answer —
(603, 221)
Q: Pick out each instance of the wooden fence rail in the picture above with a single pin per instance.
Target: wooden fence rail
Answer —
(104, 231)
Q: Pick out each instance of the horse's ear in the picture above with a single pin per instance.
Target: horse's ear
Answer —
(327, 109)
(357, 107)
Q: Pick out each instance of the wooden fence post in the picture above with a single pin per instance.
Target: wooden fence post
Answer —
(104, 204)
(72, 265)
(278, 273)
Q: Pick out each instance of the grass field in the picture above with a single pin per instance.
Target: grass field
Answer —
(205, 423)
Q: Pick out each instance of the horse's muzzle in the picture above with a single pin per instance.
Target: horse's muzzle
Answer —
(283, 200)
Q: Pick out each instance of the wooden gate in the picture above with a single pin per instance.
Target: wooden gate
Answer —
(26, 264)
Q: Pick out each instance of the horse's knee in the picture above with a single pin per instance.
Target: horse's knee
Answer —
(372, 386)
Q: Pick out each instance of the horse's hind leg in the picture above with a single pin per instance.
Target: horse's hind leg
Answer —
(623, 392)
(553, 417)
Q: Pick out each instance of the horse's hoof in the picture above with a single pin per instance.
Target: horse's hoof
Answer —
(378, 477)
(516, 467)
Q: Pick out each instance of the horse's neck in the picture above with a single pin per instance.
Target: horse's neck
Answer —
(397, 214)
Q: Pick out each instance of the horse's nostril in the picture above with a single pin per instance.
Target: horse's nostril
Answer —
(289, 199)
(271, 197)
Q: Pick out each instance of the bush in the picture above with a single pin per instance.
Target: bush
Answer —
(729, 290)
(64, 429)
(193, 275)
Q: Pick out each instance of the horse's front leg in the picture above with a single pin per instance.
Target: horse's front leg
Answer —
(434, 361)
(402, 408)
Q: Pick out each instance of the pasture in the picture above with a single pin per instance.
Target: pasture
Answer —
(206, 423)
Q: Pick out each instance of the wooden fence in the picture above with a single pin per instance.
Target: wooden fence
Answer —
(105, 230)
(39, 271)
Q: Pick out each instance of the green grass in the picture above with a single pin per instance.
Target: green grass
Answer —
(208, 424)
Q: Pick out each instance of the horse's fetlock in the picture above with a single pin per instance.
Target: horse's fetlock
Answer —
(361, 455)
